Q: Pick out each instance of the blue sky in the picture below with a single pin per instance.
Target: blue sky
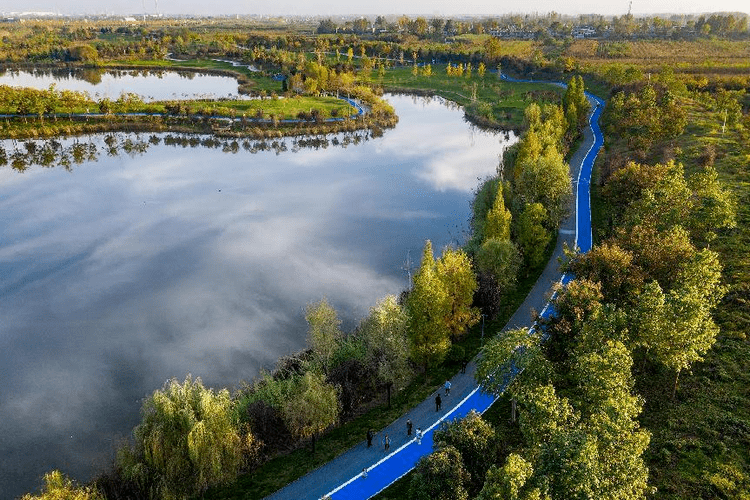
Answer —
(370, 8)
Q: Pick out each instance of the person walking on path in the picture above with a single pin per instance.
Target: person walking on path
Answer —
(463, 365)
(438, 403)
(408, 427)
(369, 437)
(386, 443)
(364, 473)
(447, 387)
(419, 435)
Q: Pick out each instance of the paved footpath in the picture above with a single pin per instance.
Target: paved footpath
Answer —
(342, 477)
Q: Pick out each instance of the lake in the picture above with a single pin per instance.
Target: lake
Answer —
(150, 85)
(118, 274)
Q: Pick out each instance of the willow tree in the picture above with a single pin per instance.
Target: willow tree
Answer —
(59, 487)
(312, 408)
(187, 441)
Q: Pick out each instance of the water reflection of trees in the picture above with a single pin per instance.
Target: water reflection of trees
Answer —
(94, 75)
(21, 155)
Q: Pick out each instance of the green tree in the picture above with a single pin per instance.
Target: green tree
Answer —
(501, 260)
(186, 442)
(428, 305)
(441, 475)
(58, 487)
(454, 271)
(474, 438)
(713, 206)
(545, 180)
(83, 53)
(498, 219)
(676, 327)
(384, 333)
(659, 254)
(575, 102)
(533, 238)
(543, 414)
(313, 407)
(508, 482)
(613, 268)
(484, 199)
(515, 350)
(323, 333)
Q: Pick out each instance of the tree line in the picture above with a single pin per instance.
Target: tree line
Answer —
(642, 300)
(516, 213)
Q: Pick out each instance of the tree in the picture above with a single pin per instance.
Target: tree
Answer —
(666, 204)
(58, 487)
(533, 238)
(498, 219)
(543, 414)
(441, 475)
(676, 327)
(83, 53)
(323, 332)
(659, 254)
(545, 180)
(312, 408)
(508, 482)
(501, 260)
(713, 207)
(613, 268)
(384, 332)
(454, 271)
(575, 102)
(474, 438)
(505, 356)
(187, 441)
(428, 305)
(484, 199)
(492, 49)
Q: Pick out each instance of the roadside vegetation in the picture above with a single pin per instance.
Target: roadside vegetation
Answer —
(640, 388)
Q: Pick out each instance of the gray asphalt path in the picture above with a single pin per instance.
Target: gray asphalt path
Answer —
(339, 470)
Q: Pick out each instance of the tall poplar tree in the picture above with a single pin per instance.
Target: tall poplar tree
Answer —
(454, 271)
(428, 305)
(498, 218)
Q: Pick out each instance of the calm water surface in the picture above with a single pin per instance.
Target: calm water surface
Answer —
(150, 86)
(125, 272)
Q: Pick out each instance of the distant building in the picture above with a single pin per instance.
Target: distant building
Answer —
(583, 32)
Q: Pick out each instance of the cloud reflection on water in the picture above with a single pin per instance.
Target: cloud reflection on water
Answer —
(129, 271)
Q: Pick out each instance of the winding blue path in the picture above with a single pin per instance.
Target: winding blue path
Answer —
(343, 478)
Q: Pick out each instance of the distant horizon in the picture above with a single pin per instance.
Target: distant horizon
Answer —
(359, 15)
(339, 8)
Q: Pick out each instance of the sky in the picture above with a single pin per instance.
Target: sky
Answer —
(443, 8)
